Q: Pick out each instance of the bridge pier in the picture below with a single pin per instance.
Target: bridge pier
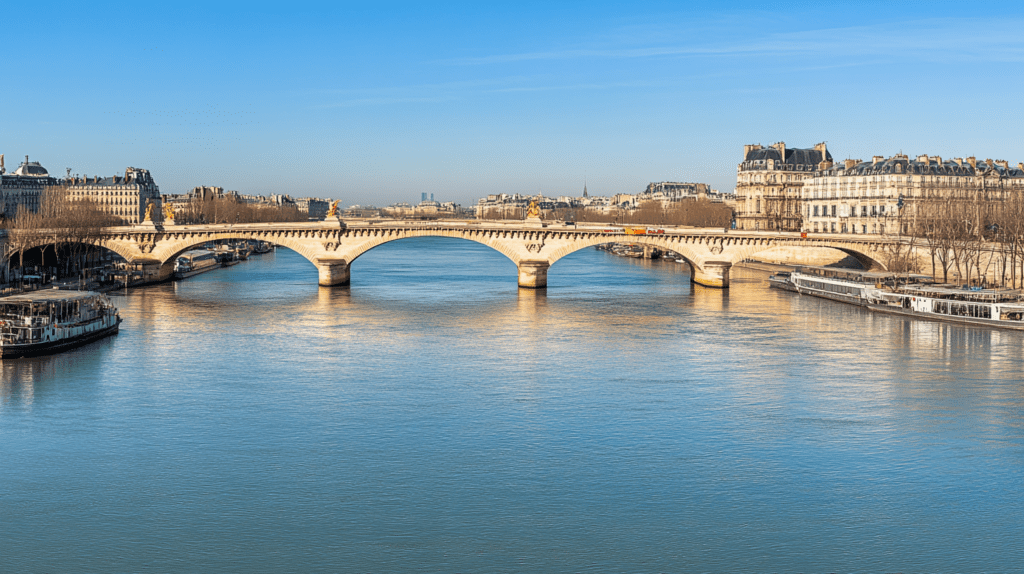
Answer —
(155, 272)
(533, 274)
(712, 274)
(333, 272)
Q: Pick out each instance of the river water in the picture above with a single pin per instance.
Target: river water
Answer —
(433, 417)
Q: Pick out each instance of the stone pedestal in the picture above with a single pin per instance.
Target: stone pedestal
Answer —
(333, 272)
(533, 274)
(712, 274)
(534, 222)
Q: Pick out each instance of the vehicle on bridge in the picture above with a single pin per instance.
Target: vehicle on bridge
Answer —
(51, 321)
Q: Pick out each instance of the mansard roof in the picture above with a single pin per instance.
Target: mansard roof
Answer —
(794, 156)
(901, 164)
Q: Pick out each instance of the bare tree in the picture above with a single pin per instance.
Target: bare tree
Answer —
(64, 225)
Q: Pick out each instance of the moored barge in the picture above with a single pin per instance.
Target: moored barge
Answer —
(45, 322)
(909, 295)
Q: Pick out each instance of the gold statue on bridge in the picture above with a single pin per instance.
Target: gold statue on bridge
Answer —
(168, 212)
(333, 211)
(149, 211)
(533, 212)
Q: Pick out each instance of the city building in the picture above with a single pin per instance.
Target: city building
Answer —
(124, 197)
(769, 181)
(23, 188)
(426, 208)
(886, 195)
(314, 208)
(673, 191)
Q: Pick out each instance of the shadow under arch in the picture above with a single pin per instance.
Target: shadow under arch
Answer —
(118, 248)
(167, 253)
(683, 250)
(865, 260)
(366, 246)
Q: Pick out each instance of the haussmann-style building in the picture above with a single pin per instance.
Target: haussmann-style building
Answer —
(883, 196)
(23, 188)
(769, 181)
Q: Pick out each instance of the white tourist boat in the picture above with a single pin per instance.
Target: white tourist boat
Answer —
(993, 307)
(912, 296)
(781, 280)
(44, 322)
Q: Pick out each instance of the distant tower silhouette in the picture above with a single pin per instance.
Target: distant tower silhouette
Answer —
(584, 187)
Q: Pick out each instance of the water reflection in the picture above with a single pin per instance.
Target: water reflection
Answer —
(622, 416)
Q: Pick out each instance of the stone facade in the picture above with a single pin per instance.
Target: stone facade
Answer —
(124, 197)
(314, 208)
(23, 189)
(769, 181)
(882, 196)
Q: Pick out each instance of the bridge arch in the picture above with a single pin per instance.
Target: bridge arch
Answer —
(662, 242)
(167, 252)
(866, 257)
(467, 235)
(122, 249)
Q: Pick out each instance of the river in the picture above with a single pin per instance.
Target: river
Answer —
(433, 417)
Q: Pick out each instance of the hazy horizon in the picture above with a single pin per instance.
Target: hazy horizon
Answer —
(376, 104)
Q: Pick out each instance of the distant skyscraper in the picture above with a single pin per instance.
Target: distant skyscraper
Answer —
(423, 196)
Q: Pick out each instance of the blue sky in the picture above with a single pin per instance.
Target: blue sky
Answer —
(377, 102)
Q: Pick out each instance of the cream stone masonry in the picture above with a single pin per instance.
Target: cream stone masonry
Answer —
(882, 196)
(769, 182)
(332, 246)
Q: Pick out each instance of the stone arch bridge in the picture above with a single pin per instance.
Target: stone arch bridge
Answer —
(332, 246)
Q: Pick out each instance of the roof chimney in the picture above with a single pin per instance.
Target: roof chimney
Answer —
(1003, 163)
(974, 162)
(851, 162)
(959, 161)
(876, 159)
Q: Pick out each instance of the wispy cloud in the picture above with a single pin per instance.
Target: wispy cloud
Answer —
(958, 39)
(384, 101)
(451, 91)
